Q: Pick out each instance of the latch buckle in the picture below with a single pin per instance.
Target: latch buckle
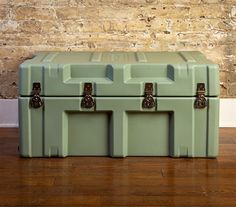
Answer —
(148, 101)
(200, 101)
(88, 101)
(36, 101)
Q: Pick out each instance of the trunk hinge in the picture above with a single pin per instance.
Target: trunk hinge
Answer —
(87, 101)
(148, 101)
(200, 101)
(36, 101)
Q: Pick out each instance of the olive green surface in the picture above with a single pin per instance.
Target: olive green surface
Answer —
(119, 73)
(118, 125)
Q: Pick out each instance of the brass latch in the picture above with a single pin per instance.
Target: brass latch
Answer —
(87, 100)
(200, 101)
(148, 101)
(36, 101)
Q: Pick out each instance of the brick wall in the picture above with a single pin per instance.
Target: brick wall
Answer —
(31, 25)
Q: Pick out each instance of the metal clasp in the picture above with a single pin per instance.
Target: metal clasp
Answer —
(200, 101)
(36, 101)
(148, 101)
(87, 100)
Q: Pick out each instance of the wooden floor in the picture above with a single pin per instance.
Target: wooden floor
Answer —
(134, 181)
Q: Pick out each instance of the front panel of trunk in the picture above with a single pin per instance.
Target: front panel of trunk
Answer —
(119, 127)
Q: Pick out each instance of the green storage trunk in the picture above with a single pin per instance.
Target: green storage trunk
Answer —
(119, 104)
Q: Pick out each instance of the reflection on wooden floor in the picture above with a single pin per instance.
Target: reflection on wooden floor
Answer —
(104, 181)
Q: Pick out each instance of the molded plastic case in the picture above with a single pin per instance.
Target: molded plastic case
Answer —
(118, 123)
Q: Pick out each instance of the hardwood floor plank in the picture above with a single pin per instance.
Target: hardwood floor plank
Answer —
(104, 181)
